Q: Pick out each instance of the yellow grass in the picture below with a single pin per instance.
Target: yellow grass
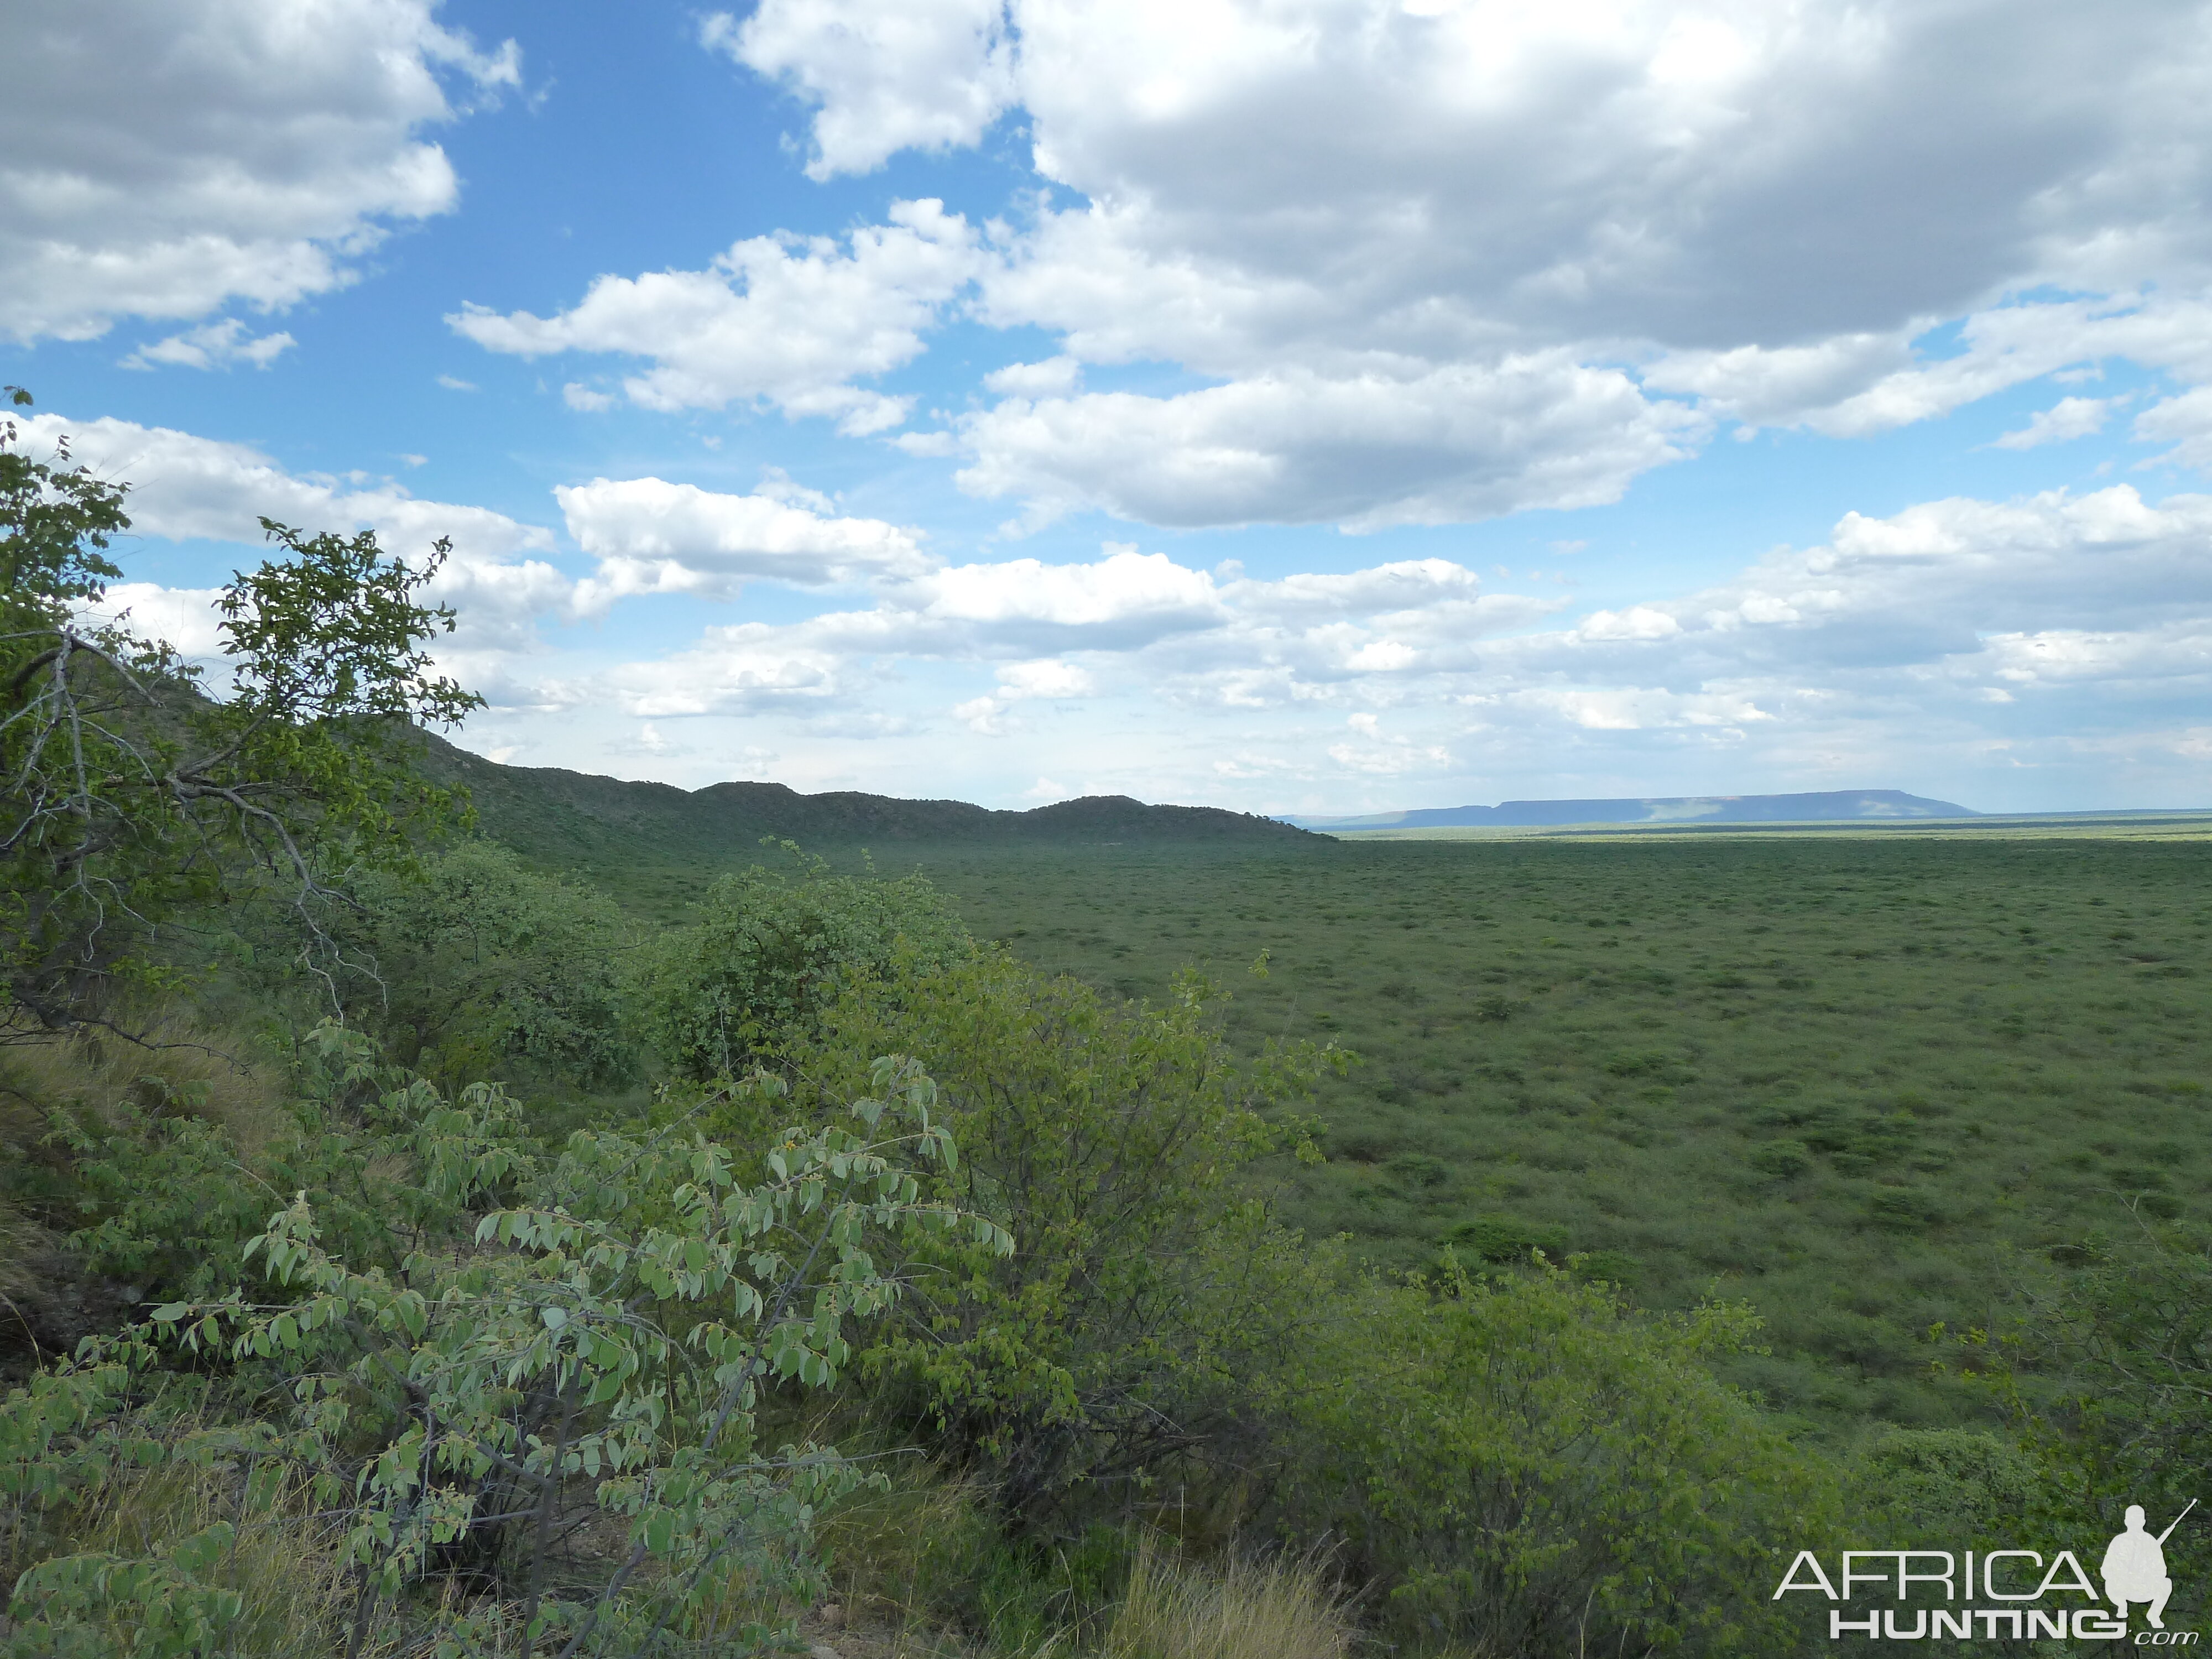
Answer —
(1277, 1609)
(177, 1068)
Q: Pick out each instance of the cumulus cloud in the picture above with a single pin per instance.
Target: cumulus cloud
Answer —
(748, 667)
(1638, 622)
(1369, 751)
(1125, 599)
(1705, 175)
(1956, 641)
(1852, 387)
(2185, 423)
(922, 74)
(1404, 585)
(1053, 376)
(184, 617)
(1451, 260)
(215, 345)
(1451, 444)
(167, 157)
(1046, 680)
(186, 488)
(789, 321)
(652, 536)
(2067, 419)
(1934, 608)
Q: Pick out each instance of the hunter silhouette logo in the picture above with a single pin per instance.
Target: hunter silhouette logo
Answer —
(2135, 1566)
(2005, 1594)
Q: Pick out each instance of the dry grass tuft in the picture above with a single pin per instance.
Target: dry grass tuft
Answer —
(294, 1590)
(1276, 1608)
(21, 1242)
(177, 1069)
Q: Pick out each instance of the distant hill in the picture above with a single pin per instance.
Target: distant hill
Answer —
(546, 813)
(1814, 806)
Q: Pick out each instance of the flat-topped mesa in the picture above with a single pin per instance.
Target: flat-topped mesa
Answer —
(1813, 806)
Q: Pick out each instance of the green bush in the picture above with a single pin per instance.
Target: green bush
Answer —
(1782, 1158)
(609, 1324)
(482, 964)
(1501, 1239)
(768, 954)
(1957, 1488)
(2109, 1375)
(1117, 1143)
(1525, 1466)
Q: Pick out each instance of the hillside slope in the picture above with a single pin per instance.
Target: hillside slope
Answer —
(1813, 806)
(547, 812)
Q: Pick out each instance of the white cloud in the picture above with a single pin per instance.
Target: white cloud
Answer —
(2184, 422)
(1448, 261)
(214, 345)
(1634, 168)
(922, 74)
(184, 617)
(452, 383)
(653, 536)
(581, 397)
(2067, 419)
(745, 668)
(1052, 377)
(1124, 599)
(1369, 751)
(1638, 708)
(1638, 622)
(1046, 680)
(789, 321)
(984, 714)
(185, 488)
(1404, 585)
(1948, 647)
(1451, 444)
(1048, 677)
(167, 157)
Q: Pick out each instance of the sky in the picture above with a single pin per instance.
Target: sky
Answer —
(1318, 406)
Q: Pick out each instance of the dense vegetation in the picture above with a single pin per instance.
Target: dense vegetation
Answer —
(1858, 1080)
(410, 1249)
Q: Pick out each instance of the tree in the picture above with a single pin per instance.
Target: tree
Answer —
(2108, 1375)
(612, 1327)
(128, 795)
(1521, 1464)
(767, 955)
(487, 965)
(1117, 1143)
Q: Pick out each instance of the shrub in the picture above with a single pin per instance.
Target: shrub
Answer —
(1525, 1466)
(482, 965)
(1782, 1158)
(1501, 1239)
(768, 954)
(1117, 1143)
(618, 1329)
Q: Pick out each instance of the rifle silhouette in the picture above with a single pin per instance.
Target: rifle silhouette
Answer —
(2178, 1520)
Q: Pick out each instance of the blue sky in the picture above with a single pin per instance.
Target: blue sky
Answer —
(1320, 405)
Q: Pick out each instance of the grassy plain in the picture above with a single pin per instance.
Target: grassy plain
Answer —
(1867, 1081)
